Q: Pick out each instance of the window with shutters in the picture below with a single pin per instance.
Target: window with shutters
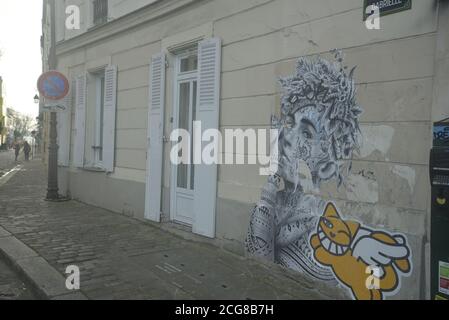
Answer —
(100, 120)
(100, 12)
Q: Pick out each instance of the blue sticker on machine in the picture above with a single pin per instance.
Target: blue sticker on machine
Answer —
(441, 135)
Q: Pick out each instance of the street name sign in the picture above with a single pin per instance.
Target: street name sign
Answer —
(387, 6)
(53, 107)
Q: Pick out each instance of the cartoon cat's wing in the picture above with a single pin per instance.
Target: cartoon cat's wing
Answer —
(375, 252)
(402, 263)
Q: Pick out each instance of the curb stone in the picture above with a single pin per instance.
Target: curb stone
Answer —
(6, 176)
(45, 280)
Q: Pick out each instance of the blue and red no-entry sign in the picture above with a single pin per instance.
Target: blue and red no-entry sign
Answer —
(53, 85)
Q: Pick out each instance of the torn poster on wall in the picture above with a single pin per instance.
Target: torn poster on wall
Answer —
(318, 134)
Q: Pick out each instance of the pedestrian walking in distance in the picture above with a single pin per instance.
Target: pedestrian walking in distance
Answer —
(27, 150)
(17, 149)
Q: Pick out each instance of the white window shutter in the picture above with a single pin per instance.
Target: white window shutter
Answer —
(64, 129)
(110, 110)
(80, 121)
(209, 70)
(155, 138)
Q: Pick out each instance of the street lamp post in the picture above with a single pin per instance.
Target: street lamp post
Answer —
(33, 146)
(53, 87)
(52, 189)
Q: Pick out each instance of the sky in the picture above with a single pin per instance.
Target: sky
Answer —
(20, 61)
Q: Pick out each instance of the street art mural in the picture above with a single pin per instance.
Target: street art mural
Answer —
(318, 135)
(342, 245)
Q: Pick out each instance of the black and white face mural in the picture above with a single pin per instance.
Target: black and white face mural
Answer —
(319, 121)
(319, 133)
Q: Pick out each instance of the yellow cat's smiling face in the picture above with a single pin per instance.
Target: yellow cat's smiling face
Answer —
(335, 234)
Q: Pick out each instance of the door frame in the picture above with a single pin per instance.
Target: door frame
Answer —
(179, 78)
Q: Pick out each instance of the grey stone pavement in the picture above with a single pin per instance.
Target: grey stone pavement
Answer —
(121, 258)
(11, 285)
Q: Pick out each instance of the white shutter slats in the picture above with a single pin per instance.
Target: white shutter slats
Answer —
(80, 121)
(209, 70)
(156, 84)
(209, 73)
(64, 129)
(155, 138)
(109, 118)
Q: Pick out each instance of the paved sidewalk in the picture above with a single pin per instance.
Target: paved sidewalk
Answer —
(11, 286)
(121, 258)
(6, 161)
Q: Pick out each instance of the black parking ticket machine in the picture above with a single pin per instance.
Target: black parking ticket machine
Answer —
(439, 178)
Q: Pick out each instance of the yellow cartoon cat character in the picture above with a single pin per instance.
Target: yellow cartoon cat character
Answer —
(349, 249)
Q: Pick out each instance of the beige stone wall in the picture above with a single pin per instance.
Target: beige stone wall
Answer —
(395, 68)
(389, 185)
(132, 55)
(262, 39)
(116, 10)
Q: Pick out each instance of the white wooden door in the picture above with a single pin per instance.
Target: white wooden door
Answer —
(183, 175)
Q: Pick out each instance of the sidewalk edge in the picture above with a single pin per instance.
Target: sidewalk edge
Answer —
(8, 175)
(45, 281)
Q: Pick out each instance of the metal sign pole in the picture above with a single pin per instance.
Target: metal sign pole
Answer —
(52, 189)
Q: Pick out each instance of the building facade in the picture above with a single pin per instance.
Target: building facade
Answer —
(3, 132)
(141, 69)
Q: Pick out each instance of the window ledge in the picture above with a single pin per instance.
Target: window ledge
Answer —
(98, 25)
(94, 169)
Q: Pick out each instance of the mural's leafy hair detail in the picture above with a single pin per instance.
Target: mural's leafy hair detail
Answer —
(328, 87)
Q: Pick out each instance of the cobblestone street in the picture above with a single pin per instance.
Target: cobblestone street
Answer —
(11, 285)
(121, 258)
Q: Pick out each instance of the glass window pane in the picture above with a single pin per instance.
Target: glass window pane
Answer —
(192, 167)
(182, 176)
(184, 104)
(189, 63)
